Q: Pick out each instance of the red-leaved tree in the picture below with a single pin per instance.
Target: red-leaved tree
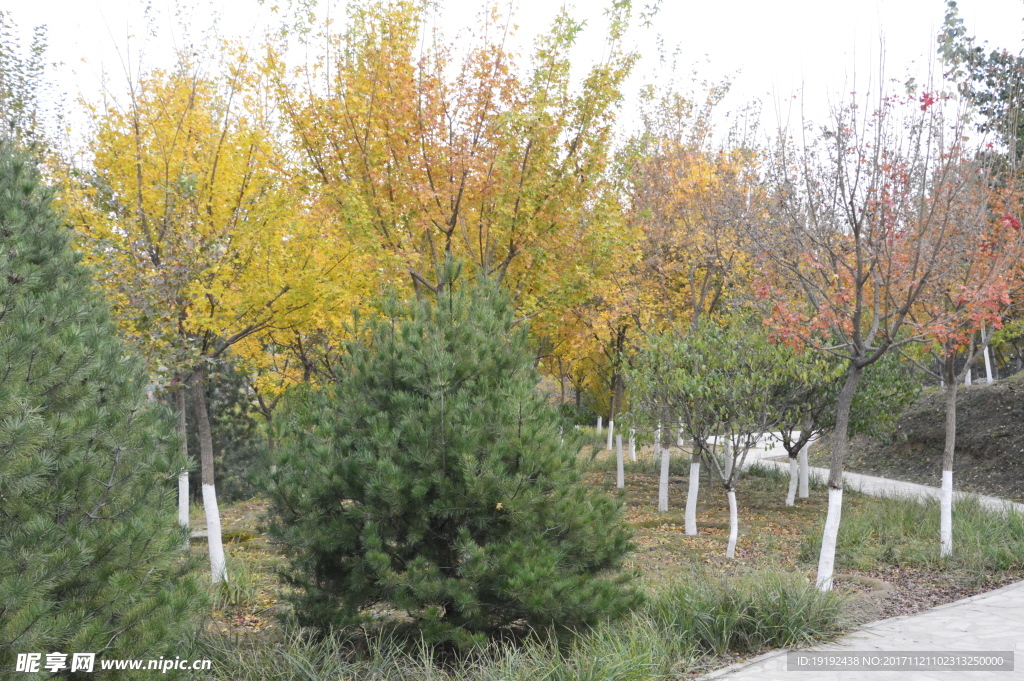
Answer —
(869, 218)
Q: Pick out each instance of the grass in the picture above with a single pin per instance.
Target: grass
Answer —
(241, 589)
(902, 532)
(679, 631)
(703, 610)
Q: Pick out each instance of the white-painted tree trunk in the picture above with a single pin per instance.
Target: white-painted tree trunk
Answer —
(657, 442)
(620, 475)
(183, 505)
(988, 361)
(691, 498)
(967, 377)
(946, 515)
(213, 536)
(794, 479)
(218, 569)
(598, 425)
(666, 457)
(183, 519)
(946, 492)
(679, 436)
(611, 429)
(632, 444)
(805, 472)
(827, 558)
(734, 525)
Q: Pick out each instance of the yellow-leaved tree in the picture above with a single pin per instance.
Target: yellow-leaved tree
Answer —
(187, 207)
(428, 150)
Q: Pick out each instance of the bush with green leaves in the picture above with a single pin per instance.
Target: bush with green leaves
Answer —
(90, 551)
(431, 481)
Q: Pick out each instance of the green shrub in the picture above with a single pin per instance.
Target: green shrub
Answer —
(430, 481)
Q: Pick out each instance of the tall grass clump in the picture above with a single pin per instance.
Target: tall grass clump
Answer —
(679, 631)
(631, 650)
(748, 614)
(904, 532)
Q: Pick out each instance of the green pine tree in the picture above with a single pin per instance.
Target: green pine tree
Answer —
(90, 554)
(431, 479)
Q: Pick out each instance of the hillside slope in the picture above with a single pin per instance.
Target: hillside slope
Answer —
(989, 448)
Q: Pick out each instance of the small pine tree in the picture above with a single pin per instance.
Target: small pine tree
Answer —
(90, 554)
(431, 479)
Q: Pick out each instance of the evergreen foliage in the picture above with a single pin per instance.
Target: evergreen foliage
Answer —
(90, 557)
(430, 479)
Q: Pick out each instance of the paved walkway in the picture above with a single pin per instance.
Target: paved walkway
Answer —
(988, 623)
(875, 486)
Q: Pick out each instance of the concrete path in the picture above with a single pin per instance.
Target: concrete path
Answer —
(984, 624)
(875, 486)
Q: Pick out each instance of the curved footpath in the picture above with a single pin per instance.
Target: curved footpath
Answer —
(986, 625)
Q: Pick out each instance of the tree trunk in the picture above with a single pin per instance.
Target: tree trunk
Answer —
(632, 445)
(946, 494)
(183, 502)
(691, 493)
(988, 361)
(794, 476)
(805, 472)
(218, 569)
(620, 476)
(599, 425)
(657, 442)
(827, 558)
(734, 525)
(666, 457)
(728, 458)
(271, 443)
(561, 382)
(611, 430)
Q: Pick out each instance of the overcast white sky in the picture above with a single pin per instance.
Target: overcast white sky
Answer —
(776, 47)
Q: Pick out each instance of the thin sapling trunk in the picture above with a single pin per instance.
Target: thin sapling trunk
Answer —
(218, 568)
(827, 557)
(946, 494)
(805, 472)
(183, 501)
(734, 525)
(794, 477)
(691, 492)
(663, 482)
(620, 477)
